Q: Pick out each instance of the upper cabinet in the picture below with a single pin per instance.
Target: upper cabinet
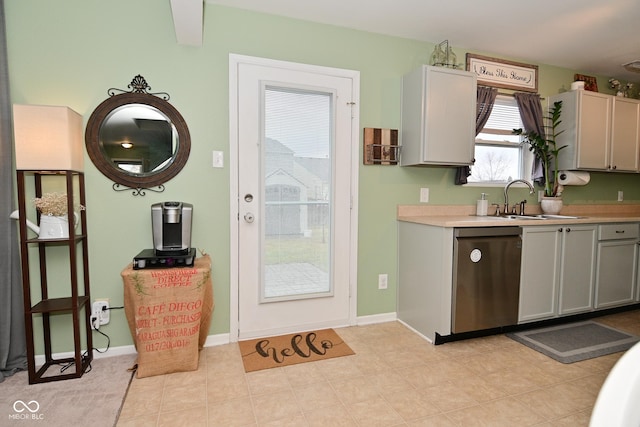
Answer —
(601, 131)
(625, 134)
(438, 117)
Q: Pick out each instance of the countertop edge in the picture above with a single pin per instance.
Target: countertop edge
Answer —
(463, 216)
(486, 221)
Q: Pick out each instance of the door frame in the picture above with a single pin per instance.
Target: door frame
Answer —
(234, 213)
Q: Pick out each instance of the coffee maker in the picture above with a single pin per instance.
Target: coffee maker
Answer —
(171, 226)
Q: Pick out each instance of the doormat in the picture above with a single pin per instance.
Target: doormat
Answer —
(284, 350)
(574, 342)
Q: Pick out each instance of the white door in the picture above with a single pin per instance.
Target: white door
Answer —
(294, 130)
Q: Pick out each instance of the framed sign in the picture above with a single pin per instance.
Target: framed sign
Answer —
(503, 74)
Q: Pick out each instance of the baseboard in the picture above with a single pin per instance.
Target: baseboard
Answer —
(376, 318)
(212, 340)
(218, 339)
(416, 332)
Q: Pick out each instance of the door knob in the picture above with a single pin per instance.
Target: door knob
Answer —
(248, 217)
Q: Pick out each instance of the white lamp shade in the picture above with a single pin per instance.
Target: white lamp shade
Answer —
(47, 138)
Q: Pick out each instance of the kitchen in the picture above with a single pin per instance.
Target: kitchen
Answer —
(516, 266)
(48, 57)
(69, 53)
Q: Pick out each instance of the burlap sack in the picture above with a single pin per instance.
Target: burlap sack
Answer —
(169, 312)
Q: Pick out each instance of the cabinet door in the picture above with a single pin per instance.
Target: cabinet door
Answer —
(625, 134)
(616, 273)
(539, 273)
(449, 116)
(577, 277)
(594, 130)
(438, 117)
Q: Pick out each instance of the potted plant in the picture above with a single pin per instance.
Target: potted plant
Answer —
(545, 148)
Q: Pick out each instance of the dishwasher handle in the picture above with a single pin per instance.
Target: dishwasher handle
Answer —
(487, 231)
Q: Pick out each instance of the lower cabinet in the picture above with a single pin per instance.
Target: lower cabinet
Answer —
(577, 277)
(539, 278)
(617, 265)
(558, 271)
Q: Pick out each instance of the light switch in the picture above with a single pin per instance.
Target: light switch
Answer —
(218, 159)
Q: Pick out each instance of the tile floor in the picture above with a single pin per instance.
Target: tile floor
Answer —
(395, 379)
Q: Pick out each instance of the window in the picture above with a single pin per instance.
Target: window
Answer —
(501, 156)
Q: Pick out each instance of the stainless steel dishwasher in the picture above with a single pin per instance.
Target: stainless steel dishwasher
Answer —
(486, 277)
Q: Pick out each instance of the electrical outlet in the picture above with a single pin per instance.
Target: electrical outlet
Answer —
(95, 320)
(100, 313)
(424, 195)
(383, 281)
(620, 196)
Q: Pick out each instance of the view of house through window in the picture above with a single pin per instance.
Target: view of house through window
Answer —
(500, 156)
(297, 185)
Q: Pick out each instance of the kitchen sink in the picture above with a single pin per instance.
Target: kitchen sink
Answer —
(538, 217)
(523, 217)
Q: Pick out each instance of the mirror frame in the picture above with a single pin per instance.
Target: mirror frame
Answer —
(96, 154)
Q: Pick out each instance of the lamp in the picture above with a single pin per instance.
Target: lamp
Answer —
(47, 138)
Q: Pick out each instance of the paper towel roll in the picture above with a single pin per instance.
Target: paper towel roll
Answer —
(573, 178)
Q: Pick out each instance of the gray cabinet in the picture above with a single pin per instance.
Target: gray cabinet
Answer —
(577, 275)
(625, 134)
(539, 279)
(438, 117)
(586, 126)
(617, 264)
(557, 274)
(601, 132)
(425, 270)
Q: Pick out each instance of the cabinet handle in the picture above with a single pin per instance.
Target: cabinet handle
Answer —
(614, 167)
(568, 230)
(560, 229)
(619, 231)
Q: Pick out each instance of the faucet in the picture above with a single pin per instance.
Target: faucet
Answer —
(506, 193)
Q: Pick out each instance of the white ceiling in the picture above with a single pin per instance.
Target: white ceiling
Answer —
(589, 36)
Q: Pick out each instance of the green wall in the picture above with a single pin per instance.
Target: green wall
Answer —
(70, 52)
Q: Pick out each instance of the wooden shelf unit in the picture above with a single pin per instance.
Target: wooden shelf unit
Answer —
(78, 303)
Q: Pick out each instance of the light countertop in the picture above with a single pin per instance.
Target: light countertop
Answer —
(464, 216)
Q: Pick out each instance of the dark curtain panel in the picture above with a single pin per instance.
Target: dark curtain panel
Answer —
(12, 335)
(484, 105)
(532, 118)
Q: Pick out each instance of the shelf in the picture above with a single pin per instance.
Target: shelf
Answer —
(50, 171)
(77, 238)
(78, 300)
(381, 146)
(58, 304)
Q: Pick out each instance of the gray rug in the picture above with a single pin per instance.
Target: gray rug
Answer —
(93, 400)
(574, 342)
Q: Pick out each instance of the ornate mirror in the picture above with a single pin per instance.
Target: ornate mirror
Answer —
(137, 139)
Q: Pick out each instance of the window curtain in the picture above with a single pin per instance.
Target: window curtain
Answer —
(532, 119)
(484, 104)
(12, 334)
